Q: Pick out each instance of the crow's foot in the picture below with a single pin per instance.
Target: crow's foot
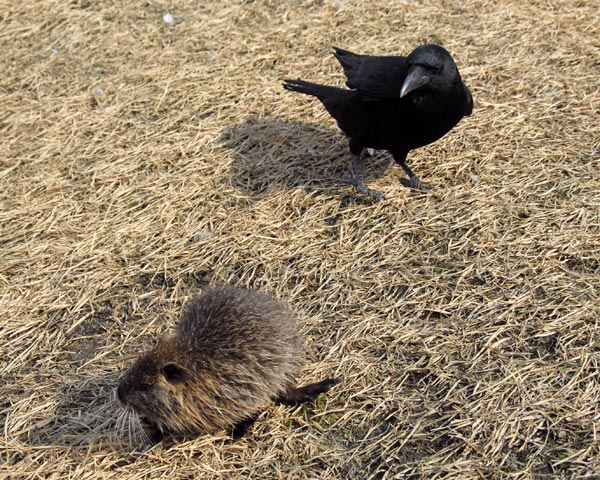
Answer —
(415, 184)
(362, 188)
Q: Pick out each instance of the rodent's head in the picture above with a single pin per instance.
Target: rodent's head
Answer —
(154, 386)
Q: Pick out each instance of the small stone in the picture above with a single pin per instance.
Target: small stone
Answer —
(203, 235)
(171, 20)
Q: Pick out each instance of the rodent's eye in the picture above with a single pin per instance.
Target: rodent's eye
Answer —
(142, 387)
(173, 372)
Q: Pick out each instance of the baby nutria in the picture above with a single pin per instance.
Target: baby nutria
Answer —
(234, 351)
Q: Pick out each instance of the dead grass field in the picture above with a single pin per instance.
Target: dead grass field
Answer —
(140, 161)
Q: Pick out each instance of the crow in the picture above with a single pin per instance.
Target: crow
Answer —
(395, 104)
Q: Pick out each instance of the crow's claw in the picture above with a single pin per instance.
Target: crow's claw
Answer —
(415, 184)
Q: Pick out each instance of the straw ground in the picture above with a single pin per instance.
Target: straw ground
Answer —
(141, 161)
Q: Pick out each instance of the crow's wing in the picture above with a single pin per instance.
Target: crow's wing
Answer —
(376, 76)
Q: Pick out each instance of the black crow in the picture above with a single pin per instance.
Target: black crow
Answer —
(396, 104)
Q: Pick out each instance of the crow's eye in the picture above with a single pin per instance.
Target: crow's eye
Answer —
(431, 67)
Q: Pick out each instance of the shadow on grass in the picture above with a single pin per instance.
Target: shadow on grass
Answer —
(84, 415)
(272, 153)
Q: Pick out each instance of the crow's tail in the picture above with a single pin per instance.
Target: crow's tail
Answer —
(314, 89)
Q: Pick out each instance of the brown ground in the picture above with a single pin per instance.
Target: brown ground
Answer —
(139, 161)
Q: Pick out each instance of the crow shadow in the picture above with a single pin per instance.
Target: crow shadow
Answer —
(271, 153)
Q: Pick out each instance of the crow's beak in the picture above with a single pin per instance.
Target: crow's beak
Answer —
(416, 78)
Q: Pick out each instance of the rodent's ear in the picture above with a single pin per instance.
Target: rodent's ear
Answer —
(173, 372)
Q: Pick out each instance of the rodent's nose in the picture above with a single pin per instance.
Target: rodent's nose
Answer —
(121, 393)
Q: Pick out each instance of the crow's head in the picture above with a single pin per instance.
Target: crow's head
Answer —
(431, 67)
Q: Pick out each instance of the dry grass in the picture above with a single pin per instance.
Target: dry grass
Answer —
(140, 161)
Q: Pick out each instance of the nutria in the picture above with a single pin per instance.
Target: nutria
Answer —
(234, 351)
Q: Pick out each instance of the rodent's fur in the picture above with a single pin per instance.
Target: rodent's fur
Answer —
(234, 352)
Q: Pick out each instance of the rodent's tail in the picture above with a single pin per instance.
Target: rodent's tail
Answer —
(314, 89)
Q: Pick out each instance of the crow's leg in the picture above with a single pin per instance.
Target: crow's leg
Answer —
(307, 393)
(413, 181)
(240, 428)
(357, 179)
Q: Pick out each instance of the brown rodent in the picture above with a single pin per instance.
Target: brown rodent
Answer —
(234, 352)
